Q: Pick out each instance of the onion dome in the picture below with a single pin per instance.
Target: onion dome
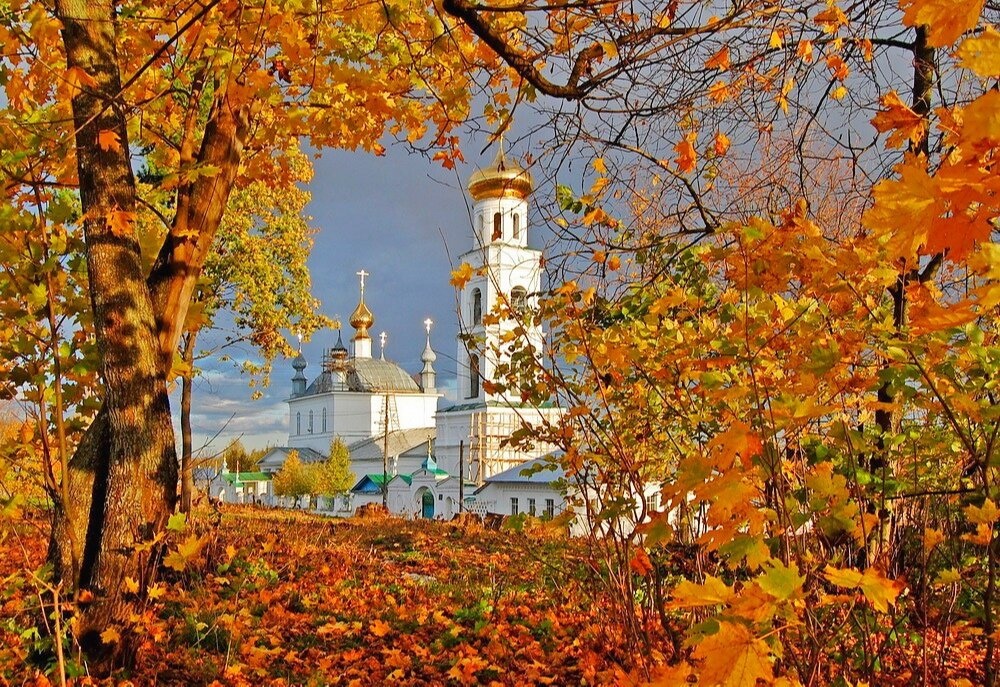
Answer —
(299, 363)
(339, 350)
(362, 320)
(501, 179)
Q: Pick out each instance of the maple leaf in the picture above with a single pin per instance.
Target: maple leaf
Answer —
(904, 209)
(733, 657)
(981, 53)
(689, 594)
(780, 581)
(380, 628)
(720, 144)
(981, 120)
(111, 636)
(186, 552)
(945, 20)
(926, 315)
(77, 78)
(719, 60)
(120, 222)
(687, 156)
(831, 19)
(108, 140)
(897, 117)
(461, 276)
(640, 563)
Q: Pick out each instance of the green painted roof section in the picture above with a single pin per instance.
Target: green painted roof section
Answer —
(378, 478)
(233, 477)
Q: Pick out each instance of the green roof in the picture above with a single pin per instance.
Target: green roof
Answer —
(234, 477)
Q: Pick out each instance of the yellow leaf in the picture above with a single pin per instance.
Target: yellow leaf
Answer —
(733, 657)
(111, 636)
(982, 119)
(880, 591)
(461, 276)
(777, 39)
(838, 93)
(985, 515)
(598, 165)
(156, 591)
(932, 538)
(946, 20)
(131, 586)
(692, 595)
(981, 53)
(108, 140)
(186, 551)
(843, 578)
(380, 628)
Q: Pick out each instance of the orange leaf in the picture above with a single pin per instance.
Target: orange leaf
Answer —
(120, 222)
(897, 117)
(687, 156)
(831, 19)
(380, 628)
(719, 60)
(945, 20)
(108, 140)
(78, 79)
(640, 563)
(720, 144)
(733, 657)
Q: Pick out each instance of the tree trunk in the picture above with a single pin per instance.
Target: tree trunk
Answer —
(187, 460)
(200, 209)
(135, 479)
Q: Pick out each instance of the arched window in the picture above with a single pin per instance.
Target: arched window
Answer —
(482, 223)
(298, 423)
(516, 227)
(477, 306)
(473, 376)
(310, 422)
(497, 226)
(518, 299)
(324, 420)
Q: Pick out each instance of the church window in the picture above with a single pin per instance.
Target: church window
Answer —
(482, 223)
(518, 299)
(310, 422)
(550, 508)
(298, 423)
(652, 502)
(477, 306)
(473, 376)
(497, 226)
(514, 507)
(324, 420)
(531, 507)
(516, 226)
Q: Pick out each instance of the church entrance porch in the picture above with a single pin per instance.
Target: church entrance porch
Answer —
(426, 504)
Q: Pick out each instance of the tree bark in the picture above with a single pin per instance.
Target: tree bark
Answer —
(170, 284)
(134, 471)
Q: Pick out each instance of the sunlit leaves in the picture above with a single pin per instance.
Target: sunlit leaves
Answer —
(981, 54)
(897, 118)
(733, 657)
(945, 20)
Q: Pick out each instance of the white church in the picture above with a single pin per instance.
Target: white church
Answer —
(408, 448)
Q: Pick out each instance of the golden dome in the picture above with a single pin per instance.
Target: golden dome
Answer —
(501, 179)
(362, 319)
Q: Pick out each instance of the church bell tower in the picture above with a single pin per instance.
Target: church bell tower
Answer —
(507, 274)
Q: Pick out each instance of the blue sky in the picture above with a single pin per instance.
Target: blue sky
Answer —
(404, 220)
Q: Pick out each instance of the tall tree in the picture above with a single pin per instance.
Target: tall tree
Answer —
(335, 475)
(151, 80)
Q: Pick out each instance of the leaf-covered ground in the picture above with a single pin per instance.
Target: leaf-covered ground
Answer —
(273, 598)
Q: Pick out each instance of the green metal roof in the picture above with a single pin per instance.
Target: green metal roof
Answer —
(234, 477)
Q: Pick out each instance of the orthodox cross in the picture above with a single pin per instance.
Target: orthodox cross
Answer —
(381, 339)
(363, 274)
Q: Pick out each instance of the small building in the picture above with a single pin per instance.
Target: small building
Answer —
(241, 487)
(536, 487)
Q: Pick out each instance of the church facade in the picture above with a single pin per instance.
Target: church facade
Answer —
(409, 449)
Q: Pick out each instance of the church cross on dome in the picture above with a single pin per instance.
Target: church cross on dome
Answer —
(363, 274)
